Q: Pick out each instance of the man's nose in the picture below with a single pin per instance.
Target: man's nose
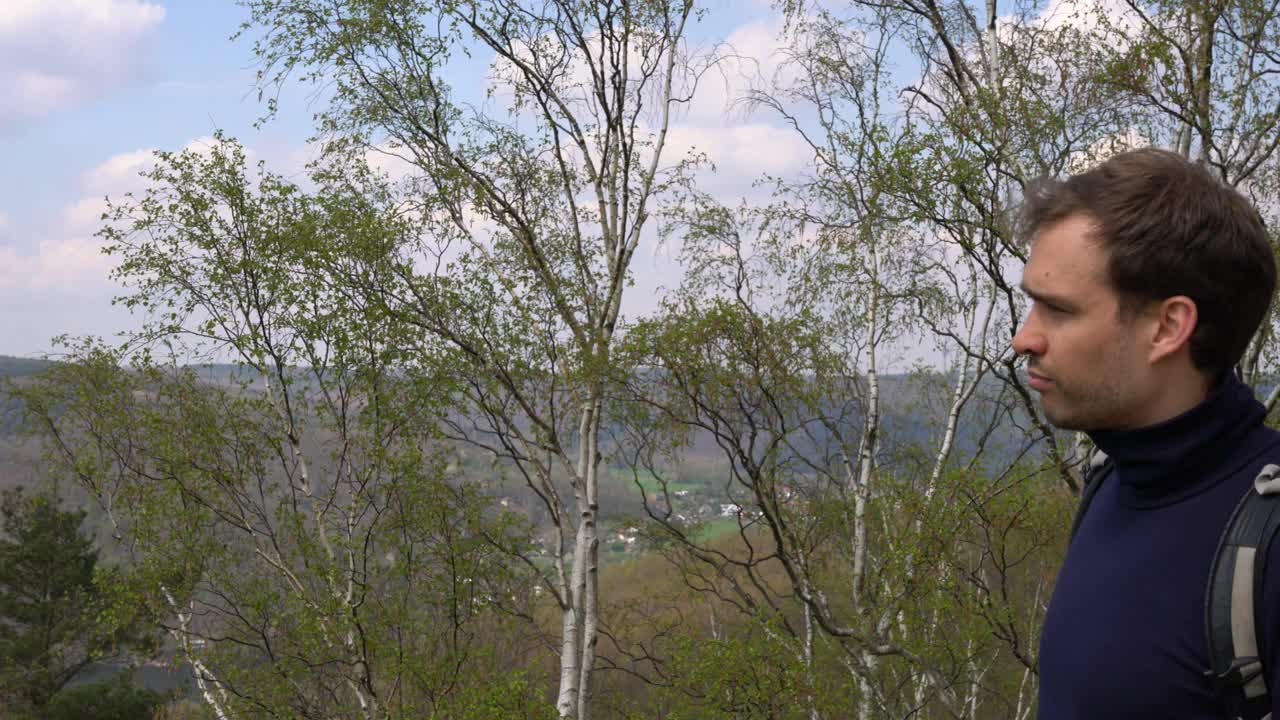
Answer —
(1029, 340)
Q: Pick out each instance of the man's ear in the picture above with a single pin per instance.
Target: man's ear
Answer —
(1174, 321)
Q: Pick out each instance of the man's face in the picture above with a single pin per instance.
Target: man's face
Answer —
(1084, 356)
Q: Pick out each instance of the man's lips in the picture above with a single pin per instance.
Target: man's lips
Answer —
(1038, 381)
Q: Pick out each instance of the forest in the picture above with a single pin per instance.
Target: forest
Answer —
(390, 442)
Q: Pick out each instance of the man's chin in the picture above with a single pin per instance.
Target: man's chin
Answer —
(1063, 420)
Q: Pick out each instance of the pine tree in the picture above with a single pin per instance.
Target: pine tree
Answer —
(46, 587)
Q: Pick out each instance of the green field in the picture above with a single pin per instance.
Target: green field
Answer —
(713, 529)
(650, 483)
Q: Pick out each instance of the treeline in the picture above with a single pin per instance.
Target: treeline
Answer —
(476, 302)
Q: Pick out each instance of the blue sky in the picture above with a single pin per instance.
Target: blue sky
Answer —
(88, 88)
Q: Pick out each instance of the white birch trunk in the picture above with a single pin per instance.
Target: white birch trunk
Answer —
(571, 630)
(962, 391)
(591, 545)
(580, 618)
(1023, 709)
(993, 47)
(976, 674)
(183, 636)
(1025, 704)
(862, 490)
(567, 700)
(808, 661)
(369, 704)
(337, 589)
(870, 662)
(866, 456)
(922, 682)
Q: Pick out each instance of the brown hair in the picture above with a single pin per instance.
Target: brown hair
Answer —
(1170, 228)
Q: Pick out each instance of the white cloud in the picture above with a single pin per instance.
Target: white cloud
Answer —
(70, 264)
(715, 122)
(56, 52)
(1112, 144)
(393, 163)
(54, 278)
(113, 177)
(1090, 16)
(120, 174)
(752, 57)
(117, 170)
(203, 146)
(73, 265)
(68, 261)
(741, 153)
(85, 214)
(36, 92)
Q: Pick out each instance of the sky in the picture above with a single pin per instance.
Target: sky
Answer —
(90, 88)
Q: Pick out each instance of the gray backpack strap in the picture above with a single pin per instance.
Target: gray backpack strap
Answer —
(1099, 467)
(1234, 601)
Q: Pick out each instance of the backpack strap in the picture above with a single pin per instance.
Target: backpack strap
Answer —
(1234, 600)
(1099, 467)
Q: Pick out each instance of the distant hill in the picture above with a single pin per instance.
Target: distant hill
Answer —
(217, 373)
(21, 367)
(913, 406)
(224, 373)
(213, 373)
(15, 369)
(911, 412)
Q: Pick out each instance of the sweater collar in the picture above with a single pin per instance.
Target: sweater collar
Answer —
(1184, 455)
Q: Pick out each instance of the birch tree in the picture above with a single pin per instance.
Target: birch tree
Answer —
(886, 586)
(1202, 76)
(994, 96)
(847, 261)
(544, 195)
(1006, 92)
(297, 525)
(997, 102)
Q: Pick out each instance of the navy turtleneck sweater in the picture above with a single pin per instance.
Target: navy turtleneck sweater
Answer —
(1124, 636)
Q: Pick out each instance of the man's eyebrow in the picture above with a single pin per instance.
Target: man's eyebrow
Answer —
(1046, 298)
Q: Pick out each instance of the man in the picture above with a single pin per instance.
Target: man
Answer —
(1148, 278)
